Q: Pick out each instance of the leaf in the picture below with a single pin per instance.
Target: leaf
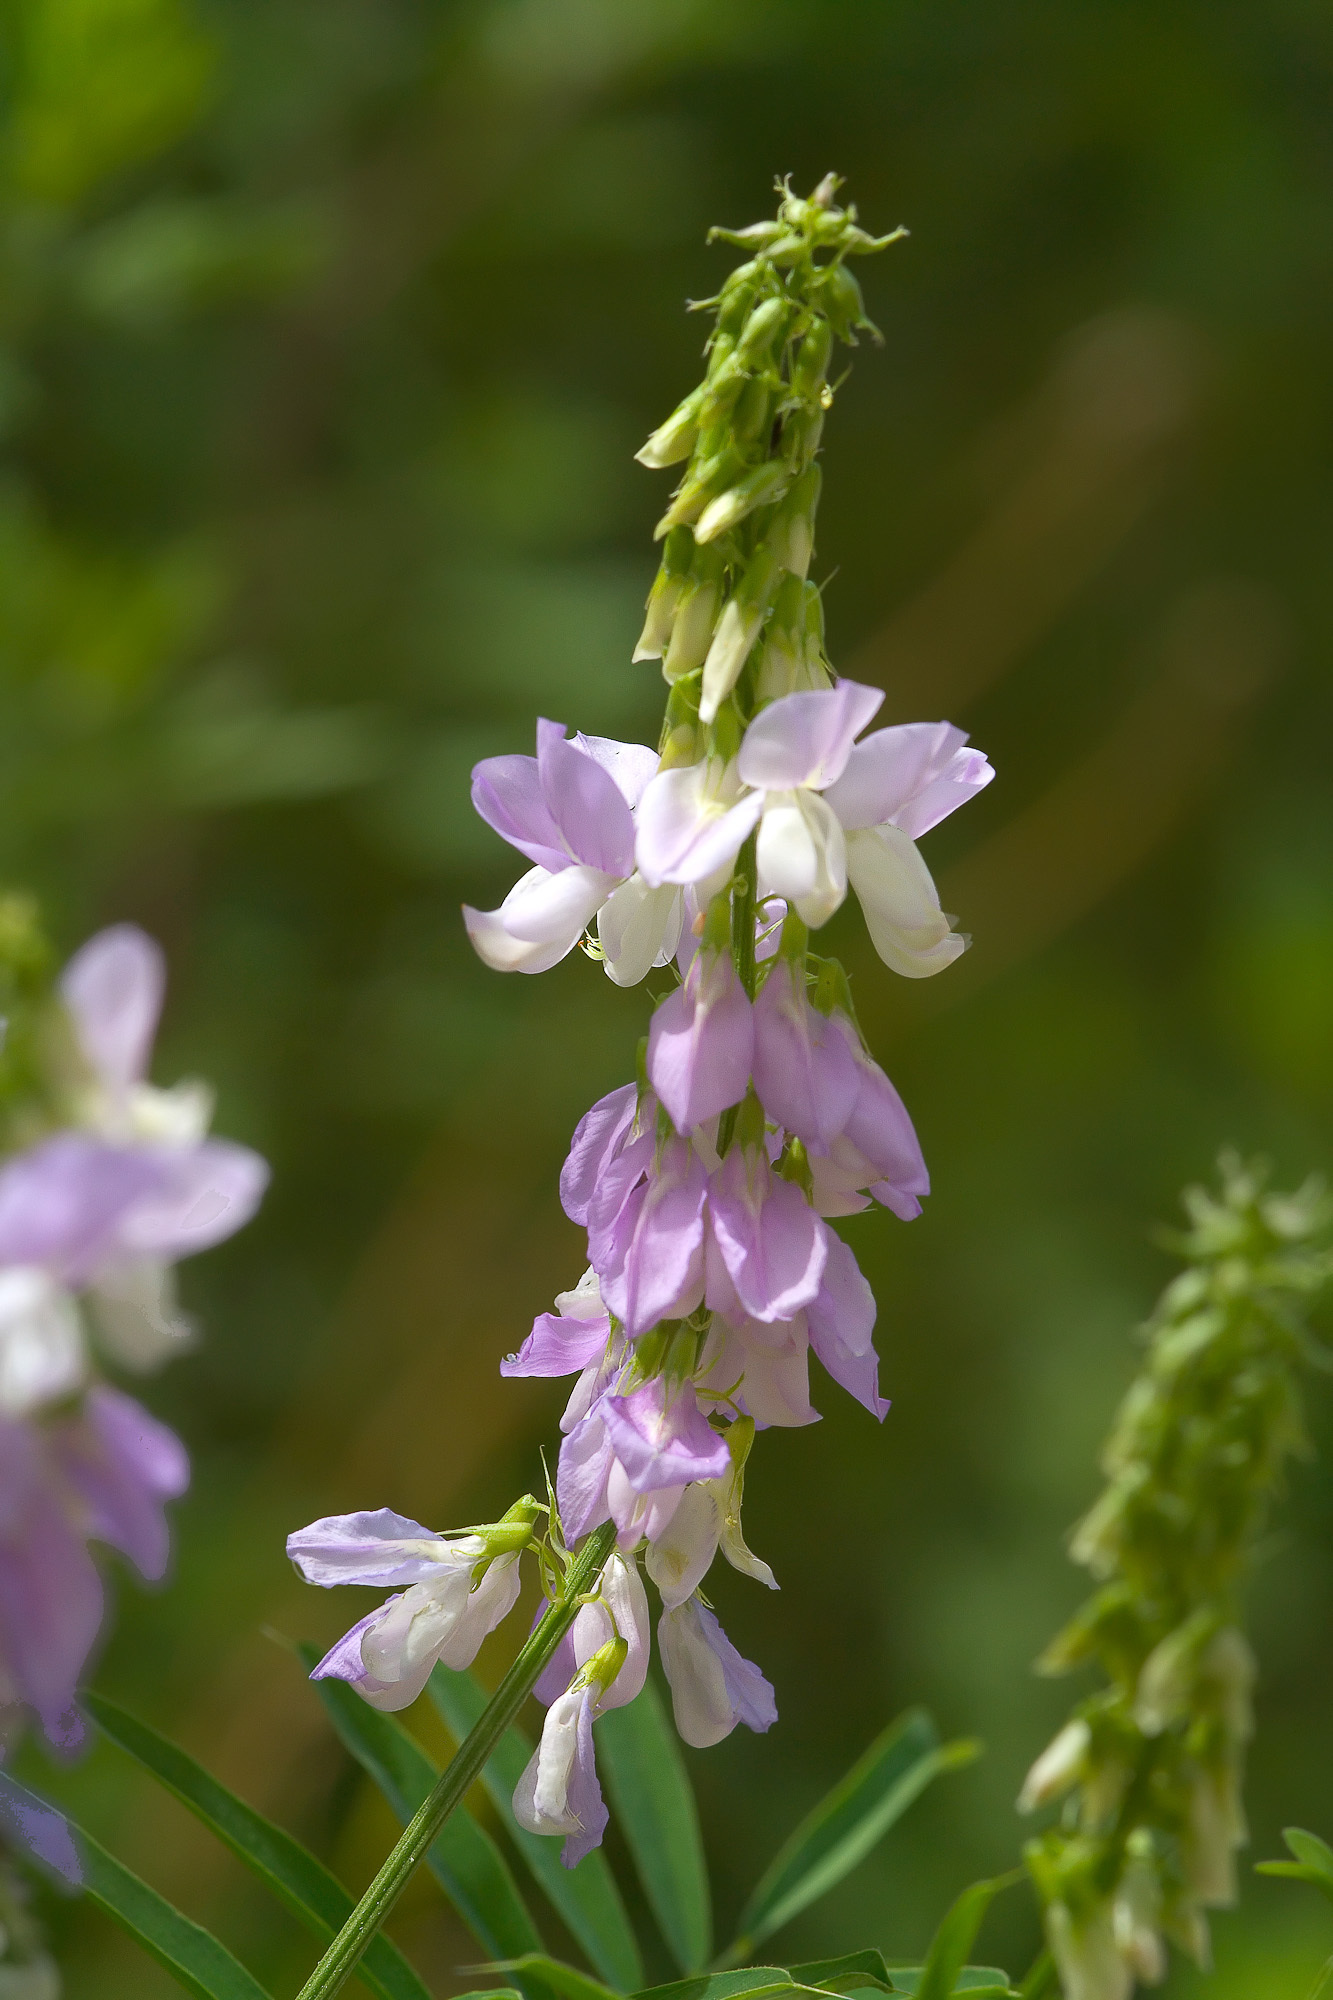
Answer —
(851, 1973)
(741, 1983)
(980, 1982)
(585, 1898)
(654, 1803)
(193, 1956)
(1310, 1849)
(304, 1884)
(940, 1975)
(843, 1828)
(553, 1972)
(464, 1859)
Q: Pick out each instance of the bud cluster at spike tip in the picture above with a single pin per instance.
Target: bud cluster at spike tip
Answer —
(106, 1182)
(706, 1186)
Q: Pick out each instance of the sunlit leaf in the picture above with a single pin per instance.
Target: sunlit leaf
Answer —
(654, 1804)
(848, 1823)
(741, 1983)
(464, 1859)
(565, 1980)
(586, 1898)
(281, 1863)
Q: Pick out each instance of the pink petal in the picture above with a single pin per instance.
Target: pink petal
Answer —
(913, 774)
(507, 792)
(805, 739)
(700, 1043)
(586, 803)
(113, 987)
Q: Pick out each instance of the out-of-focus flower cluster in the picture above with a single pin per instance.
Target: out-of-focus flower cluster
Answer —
(1150, 1767)
(106, 1182)
(707, 1185)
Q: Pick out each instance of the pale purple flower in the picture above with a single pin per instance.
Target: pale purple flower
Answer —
(804, 1071)
(841, 1324)
(630, 1459)
(766, 1245)
(701, 1042)
(708, 1518)
(764, 1368)
(559, 1791)
(569, 809)
(570, 1339)
(648, 1247)
(442, 1615)
(828, 810)
(712, 1687)
(123, 1466)
(50, 1591)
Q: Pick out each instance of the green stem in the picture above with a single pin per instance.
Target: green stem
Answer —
(1040, 1977)
(1320, 1986)
(340, 1960)
(743, 912)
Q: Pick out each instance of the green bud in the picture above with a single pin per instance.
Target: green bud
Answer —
(737, 630)
(792, 529)
(711, 477)
(665, 595)
(716, 933)
(512, 1532)
(602, 1668)
(794, 1166)
(729, 508)
(750, 1126)
(801, 433)
(755, 346)
(735, 302)
(696, 614)
(674, 440)
(838, 294)
(754, 408)
(810, 366)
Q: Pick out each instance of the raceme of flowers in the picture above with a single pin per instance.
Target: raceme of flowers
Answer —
(120, 1183)
(705, 1186)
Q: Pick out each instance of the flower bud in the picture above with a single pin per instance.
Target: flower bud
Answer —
(696, 614)
(753, 413)
(1057, 1768)
(761, 330)
(792, 529)
(800, 437)
(674, 439)
(737, 631)
(810, 366)
(712, 476)
(729, 509)
(840, 297)
(665, 595)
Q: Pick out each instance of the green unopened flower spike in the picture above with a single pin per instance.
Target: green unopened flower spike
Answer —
(1150, 1766)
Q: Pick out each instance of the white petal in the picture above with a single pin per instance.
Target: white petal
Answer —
(541, 919)
(802, 854)
(699, 1699)
(41, 1343)
(639, 927)
(135, 1316)
(679, 1560)
(902, 907)
(692, 821)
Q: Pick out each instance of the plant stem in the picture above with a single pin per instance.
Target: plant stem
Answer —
(742, 914)
(341, 1958)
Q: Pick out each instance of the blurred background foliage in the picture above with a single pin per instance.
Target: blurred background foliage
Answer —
(328, 329)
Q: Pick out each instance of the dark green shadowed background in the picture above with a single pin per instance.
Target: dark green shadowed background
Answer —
(329, 329)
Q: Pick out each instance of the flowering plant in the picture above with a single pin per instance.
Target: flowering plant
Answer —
(708, 1186)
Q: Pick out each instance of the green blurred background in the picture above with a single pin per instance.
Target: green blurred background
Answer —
(329, 328)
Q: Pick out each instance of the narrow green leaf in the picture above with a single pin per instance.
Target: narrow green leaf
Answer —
(293, 1874)
(851, 1973)
(1297, 1871)
(743, 1982)
(1310, 1849)
(654, 1803)
(585, 1898)
(945, 1961)
(464, 1860)
(980, 1982)
(193, 1956)
(553, 1972)
(846, 1825)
